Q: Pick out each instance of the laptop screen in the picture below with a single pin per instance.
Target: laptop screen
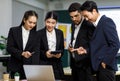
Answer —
(39, 72)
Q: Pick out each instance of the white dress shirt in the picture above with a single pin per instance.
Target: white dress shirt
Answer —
(98, 19)
(25, 36)
(77, 28)
(51, 37)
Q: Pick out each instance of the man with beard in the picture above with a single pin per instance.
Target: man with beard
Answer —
(82, 31)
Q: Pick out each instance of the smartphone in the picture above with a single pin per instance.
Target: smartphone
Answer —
(70, 45)
(56, 52)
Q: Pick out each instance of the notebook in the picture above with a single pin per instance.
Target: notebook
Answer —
(39, 72)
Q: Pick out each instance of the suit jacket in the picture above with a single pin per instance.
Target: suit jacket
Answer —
(83, 37)
(43, 48)
(15, 48)
(44, 43)
(104, 44)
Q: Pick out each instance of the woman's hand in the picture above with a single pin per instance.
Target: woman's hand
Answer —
(57, 55)
(26, 54)
(48, 54)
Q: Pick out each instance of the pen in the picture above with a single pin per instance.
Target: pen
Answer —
(70, 46)
(32, 52)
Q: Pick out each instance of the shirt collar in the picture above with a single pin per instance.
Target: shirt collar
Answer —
(53, 31)
(25, 29)
(96, 22)
(76, 26)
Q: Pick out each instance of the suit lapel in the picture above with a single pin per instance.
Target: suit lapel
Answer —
(19, 36)
(29, 39)
(73, 30)
(57, 38)
(44, 39)
(95, 32)
(78, 35)
(98, 27)
(81, 26)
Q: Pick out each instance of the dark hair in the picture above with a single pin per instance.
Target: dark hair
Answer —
(89, 6)
(74, 7)
(51, 14)
(27, 14)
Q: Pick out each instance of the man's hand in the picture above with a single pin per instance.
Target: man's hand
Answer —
(71, 49)
(81, 51)
(103, 65)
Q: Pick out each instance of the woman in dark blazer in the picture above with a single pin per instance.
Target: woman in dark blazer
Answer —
(21, 44)
(51, 39)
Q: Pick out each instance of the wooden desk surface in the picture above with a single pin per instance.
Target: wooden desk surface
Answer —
(9, 80)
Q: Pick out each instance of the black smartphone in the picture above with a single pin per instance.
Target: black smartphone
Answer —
(56, 52)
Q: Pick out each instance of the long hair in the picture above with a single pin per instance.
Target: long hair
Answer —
(27, 15)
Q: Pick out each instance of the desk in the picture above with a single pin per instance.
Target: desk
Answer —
(9, 80)
(4, 59)
(67, 73)
(22, 80)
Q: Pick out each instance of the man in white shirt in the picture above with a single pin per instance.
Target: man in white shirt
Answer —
(81, 33)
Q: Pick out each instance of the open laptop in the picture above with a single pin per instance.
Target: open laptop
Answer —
(39, 72)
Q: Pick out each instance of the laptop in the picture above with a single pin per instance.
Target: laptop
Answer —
(39, 72)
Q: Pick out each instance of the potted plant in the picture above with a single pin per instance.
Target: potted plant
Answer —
(3, 41)
(16, 76)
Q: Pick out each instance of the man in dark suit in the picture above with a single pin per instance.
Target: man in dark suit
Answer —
(80, 37)
(104, 44)
(21, 44)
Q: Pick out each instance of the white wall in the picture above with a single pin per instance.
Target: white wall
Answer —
(6, 9)
(5, 23)
(5, 16)
(6, 12)
(64, 4)
(22, 7)
(39, 4)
